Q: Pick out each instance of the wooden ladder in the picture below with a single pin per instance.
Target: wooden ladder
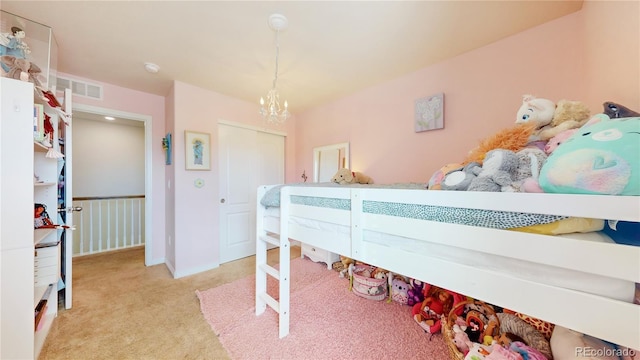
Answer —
(263, 240)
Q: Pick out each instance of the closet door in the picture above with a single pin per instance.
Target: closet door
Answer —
(247, 158)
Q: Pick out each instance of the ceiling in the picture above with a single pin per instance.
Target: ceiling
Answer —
(330, 48)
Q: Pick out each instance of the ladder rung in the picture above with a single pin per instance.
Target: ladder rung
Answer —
(270, 301)
(270, 270)
(271, 239)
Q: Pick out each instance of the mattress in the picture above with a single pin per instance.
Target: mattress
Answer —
(564, 278)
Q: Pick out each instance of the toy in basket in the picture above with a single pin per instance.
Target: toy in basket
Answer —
(476, 323)
(368, 281)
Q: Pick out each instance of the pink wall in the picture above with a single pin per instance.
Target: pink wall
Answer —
(483, 90)
(127, 100)
(196, 213)
(563, 59)
(612, 54)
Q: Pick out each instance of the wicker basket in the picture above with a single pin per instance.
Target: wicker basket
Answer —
(366, 287)
(470, 307)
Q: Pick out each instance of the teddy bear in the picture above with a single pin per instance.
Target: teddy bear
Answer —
(399, 289)
(497, 171)
(615, 111)
(346, 176)
(567, 115)
(461, 178)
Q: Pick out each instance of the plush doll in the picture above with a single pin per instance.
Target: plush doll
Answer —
(461, 339)
(21, 69)
(345, 261)
(346, 176)
(399, 289)
(602, 157)
(435, 182)
(497, 171)
(568, 115)
(614, 111)
(460, 179)
(436, 305)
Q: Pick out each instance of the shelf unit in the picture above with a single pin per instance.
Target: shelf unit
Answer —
(30, 259)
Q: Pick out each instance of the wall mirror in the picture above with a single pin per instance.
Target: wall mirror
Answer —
(328, 159)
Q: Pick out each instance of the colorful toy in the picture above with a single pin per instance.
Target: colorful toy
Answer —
(399, 290)
(415, 292)
(460, 179)
(514, 138)
(436, 305)
(555, 141)
(346, 176)
(602, 157)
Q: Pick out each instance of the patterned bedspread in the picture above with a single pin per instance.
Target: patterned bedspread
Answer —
(474, 217)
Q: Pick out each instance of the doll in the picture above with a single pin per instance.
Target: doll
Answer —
(429, 313)
(41, 218)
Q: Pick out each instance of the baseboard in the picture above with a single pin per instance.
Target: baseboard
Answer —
(193, 271)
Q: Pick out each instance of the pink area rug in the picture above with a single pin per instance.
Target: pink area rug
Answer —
(327, 321)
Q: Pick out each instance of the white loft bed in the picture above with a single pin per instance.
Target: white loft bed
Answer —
(537, 272)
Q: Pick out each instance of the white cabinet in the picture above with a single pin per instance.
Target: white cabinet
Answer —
(30, 259)
(316, 254)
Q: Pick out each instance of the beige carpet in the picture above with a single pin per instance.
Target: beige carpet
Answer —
(124, 310)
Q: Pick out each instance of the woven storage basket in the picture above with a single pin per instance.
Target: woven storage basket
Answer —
(366, 287)
(475, 305)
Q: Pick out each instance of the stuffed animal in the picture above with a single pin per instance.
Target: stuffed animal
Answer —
(21, 69)
(602, 157)
(345, 261)
(435, 182)
(415, 292)
(568, 115)
(514, 138)
(460, 179)
(461, 339)
(555, 141)
(346, 176)
(497, 171)
(530, 161)
(399, 289)
(535, 110)
(614, 111)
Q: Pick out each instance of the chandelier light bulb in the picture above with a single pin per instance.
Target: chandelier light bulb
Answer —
(261, 101)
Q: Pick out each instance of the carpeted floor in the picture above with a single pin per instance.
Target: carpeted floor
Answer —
(327, 321)
(125, 310)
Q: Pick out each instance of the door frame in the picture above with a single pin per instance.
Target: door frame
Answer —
(148, 168)
(316, 157)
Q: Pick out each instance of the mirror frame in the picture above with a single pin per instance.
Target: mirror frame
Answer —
(318, 150)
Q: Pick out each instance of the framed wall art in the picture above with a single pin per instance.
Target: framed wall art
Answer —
(197, 150)
(429, 113)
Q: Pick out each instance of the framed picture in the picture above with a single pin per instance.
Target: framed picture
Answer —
(197, 150)
(429, 113)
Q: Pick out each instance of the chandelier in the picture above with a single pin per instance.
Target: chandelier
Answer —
(271, 112)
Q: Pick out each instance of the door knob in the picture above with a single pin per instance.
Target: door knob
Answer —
(222, 200)
(71, 209)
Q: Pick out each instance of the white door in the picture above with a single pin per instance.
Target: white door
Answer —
(248, 158)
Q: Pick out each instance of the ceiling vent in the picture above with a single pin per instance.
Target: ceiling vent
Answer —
(80, 88)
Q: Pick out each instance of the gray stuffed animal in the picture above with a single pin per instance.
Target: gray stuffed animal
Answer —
(530, 162)
(497, 173)
(460, 179)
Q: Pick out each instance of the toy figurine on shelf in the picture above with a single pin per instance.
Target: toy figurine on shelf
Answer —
(41, 217)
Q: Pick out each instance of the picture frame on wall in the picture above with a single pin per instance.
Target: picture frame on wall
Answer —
(429, 113)
(197, 150)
